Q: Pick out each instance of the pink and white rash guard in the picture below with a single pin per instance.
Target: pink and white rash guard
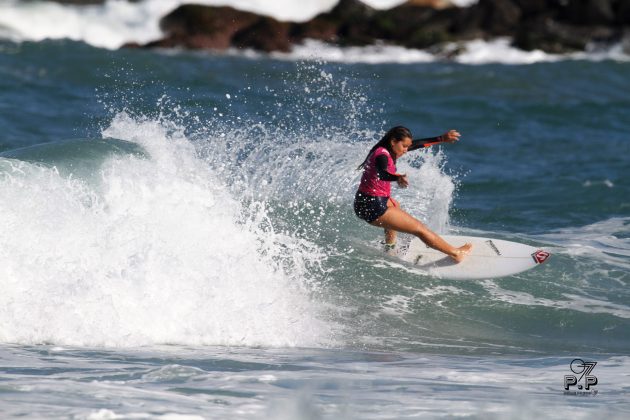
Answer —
(371, 183)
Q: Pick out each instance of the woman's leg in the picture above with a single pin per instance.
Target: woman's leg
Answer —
(390, 237)
(399, 220)
(390, 234)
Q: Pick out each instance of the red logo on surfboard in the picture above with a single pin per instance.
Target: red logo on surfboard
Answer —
(540, 256)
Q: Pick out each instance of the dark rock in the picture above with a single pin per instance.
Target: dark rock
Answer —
(349, 20)
(498, 17)
(413, 26)
(588, 12)
(533, 7)
(266, 34)
(202, 27)
(132, 45)
(320, 29)
(400, 22)
(625, 41)
(349, 11)
(622, 12)
(555, 26)
(466, 23)
(559, 38)
(488, 18)
(197, 19)
(434, 4)
(354, 23)
(546, 35)
(537, 8)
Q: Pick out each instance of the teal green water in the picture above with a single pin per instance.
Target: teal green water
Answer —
(203, 202)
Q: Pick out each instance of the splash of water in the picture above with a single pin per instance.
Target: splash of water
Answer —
(156, 252)
(218, 232)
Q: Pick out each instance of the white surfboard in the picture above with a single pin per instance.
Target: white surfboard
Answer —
(489, 258)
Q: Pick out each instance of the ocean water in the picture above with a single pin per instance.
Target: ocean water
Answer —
(177, 238)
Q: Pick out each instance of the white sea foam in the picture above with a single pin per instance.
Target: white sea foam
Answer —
(397, 305)
(607, 241)
(572, 302)
(500, 51)
(473, 52)
(373, 54)
(109, 25)
(400, 305)
(441, 290)
(470, 52)
(157, 252)
(105, 414)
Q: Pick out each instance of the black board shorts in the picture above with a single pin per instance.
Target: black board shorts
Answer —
(369, 207)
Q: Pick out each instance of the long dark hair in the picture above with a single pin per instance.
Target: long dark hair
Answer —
(396, 133)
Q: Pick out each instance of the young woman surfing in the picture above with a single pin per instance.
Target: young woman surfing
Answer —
(373, 202)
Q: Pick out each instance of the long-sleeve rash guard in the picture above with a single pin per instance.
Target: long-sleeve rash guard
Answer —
(381, 160)
(380, 169)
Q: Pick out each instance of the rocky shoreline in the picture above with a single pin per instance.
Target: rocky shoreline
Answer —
(553, 26)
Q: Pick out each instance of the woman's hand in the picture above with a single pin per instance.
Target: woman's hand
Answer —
(451, 136)
(402, 180)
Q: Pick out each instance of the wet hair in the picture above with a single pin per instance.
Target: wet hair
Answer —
(396, 133)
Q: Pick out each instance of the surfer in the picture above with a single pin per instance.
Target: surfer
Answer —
(373, 202)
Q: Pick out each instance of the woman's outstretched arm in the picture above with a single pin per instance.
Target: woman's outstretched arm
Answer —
(450, 136)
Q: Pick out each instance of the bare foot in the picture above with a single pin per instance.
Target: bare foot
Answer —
(461, 252)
